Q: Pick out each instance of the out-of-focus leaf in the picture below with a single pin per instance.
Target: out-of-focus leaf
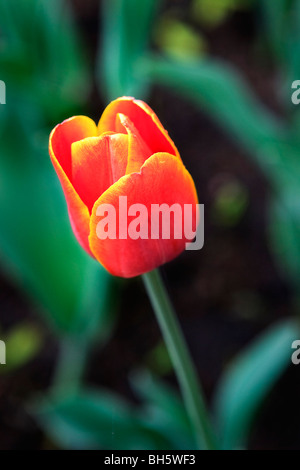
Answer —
(290, 63)
(40, 55)
(163, 410)
(281, 31)
(275, 15)
(230, 202)
(249, 379)
(283, 210)
(95, 420)
(158, 359)
(284, 233)
(178, 40)
(213, 12)
(125, 36)
(218, 89)
(23, 343)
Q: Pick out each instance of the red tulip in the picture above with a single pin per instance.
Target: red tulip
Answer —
(128, 154)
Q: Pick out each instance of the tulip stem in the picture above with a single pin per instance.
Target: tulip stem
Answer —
(181, 359)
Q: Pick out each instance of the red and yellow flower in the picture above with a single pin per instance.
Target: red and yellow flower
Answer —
(128, 154)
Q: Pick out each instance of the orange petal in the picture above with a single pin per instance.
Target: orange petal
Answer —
(97, 162)
(163, 179)
(138, 150)
(60, 142)
(69, 131)
(143, 118)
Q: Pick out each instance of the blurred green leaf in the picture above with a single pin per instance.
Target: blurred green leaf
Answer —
(125, 36)
(219, 90)
(163, 410)
(283, 208)
(290, 63)
(178, 40)
(284, 233)
(280, 29)
(249, 379)
(158, 359)
(213, 12)
(23, 343)
(95, 420)
(230, 202)
(41, 57)
(275, 16)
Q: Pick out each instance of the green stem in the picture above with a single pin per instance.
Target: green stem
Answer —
(180, 356)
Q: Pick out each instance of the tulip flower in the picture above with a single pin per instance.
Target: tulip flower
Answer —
(128, 154)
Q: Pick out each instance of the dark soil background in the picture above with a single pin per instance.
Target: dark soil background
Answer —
(225, 294)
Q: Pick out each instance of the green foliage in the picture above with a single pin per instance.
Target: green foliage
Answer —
(249, 379)
(276, 16)
(212, 13)
(100, 419)
(40, 56)
(219, 90)
(125, 39)
(92, 420)
(178, 40)
(23, 343)
(158, 359)
(284, 233)
(163, 410)
(230, 203)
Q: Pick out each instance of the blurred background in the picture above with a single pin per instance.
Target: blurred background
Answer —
(85, 363)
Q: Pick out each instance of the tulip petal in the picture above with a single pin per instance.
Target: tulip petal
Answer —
(60, 142)
(138, 150)
(144, 119)
(97, 162)
(162, 179)
(69, 131)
